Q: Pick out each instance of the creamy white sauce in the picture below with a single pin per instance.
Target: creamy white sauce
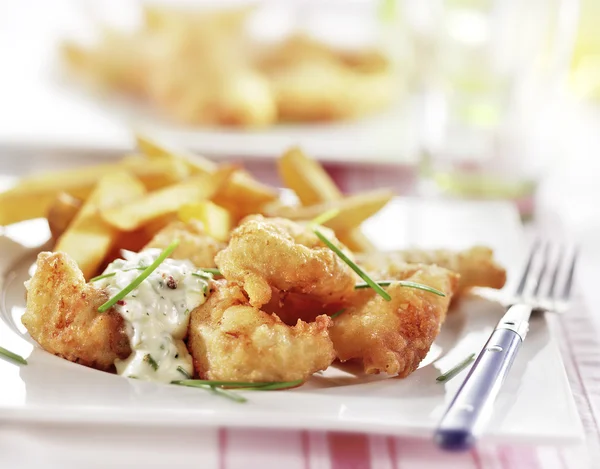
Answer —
(156, 313)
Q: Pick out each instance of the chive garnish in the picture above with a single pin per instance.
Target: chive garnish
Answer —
(456, 370)
(112, 274)
(151, 361)
(140, 278)
(184, 373)
(214, 272)
(277, 386)
(404, 283)
(228, 394)
(193, 383)
(259, 386)
(211, 270)
(12, 356)
(324, 217)
(337, 313)
(385, 295)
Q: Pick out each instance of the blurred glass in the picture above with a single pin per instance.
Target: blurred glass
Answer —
(585, 69)
(489, 76)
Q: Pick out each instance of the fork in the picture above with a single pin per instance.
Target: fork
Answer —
(471, 408)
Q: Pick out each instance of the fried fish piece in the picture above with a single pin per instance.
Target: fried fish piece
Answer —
(194, 244)
(476, 266)
(394, 336)
(62, 315)
(279, 253)
(233, 341)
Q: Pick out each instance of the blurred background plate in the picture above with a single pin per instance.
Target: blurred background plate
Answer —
(43, 109)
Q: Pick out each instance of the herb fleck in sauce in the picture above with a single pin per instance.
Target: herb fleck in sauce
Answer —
(156, 314)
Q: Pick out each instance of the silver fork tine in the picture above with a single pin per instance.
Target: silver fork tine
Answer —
(523, 281)
(543, 269)
(559, 260)
(569, 283)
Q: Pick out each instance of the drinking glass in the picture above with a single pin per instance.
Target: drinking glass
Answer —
(489, 78)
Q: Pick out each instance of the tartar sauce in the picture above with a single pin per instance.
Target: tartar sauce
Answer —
(156, 313)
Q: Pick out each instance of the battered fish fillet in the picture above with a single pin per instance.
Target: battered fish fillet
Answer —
(232, 341)
(288, 256)
(394, 336)
(62, 315)
(194, 244)
(476, 266)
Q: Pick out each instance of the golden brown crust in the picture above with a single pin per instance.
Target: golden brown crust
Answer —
(194, 244)
(232, 341)
(62, 315)
(476, 266)
(394, 336)
(279, 253)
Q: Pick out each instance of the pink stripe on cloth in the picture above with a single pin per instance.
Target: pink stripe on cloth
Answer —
(222, 448)
(512, 457)
(392, 452)
(349, 451)
(306, 449)
(416, 453)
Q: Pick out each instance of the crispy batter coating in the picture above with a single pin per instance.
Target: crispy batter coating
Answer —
(62, 315)
(290, 307)
(288, 256)
(194, 243)
(232, 341)
(476, 266)
(394, 336)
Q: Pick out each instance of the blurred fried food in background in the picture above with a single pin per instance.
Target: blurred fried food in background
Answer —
(203, 68)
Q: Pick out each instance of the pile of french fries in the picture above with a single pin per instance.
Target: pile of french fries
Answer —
(94, 212)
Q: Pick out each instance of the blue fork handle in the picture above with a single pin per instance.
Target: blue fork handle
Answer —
(472, 406)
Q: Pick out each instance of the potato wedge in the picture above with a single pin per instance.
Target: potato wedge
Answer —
(311, 183)
(356, 241)
(242, 194)
(216, 220)
(156, 150)
(88, 239)
(61, 213)
(155, 205)
(353, 210)
(33, 195)
(307, 178)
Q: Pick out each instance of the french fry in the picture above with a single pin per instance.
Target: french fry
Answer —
(311, 183)
(33, 196)
(216, 220)
(154, 149)
(353, 210)
(61, 213)
(164, 202)
(242, 194)
(356, 240)
(307, 178)
(88, 239)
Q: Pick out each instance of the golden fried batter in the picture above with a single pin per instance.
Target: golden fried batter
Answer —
(476, 266)
(62, 315)
(232, 341)
(194, 244)
(394, 336)
(288, 256)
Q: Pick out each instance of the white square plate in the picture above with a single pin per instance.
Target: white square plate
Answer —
(535, 405)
